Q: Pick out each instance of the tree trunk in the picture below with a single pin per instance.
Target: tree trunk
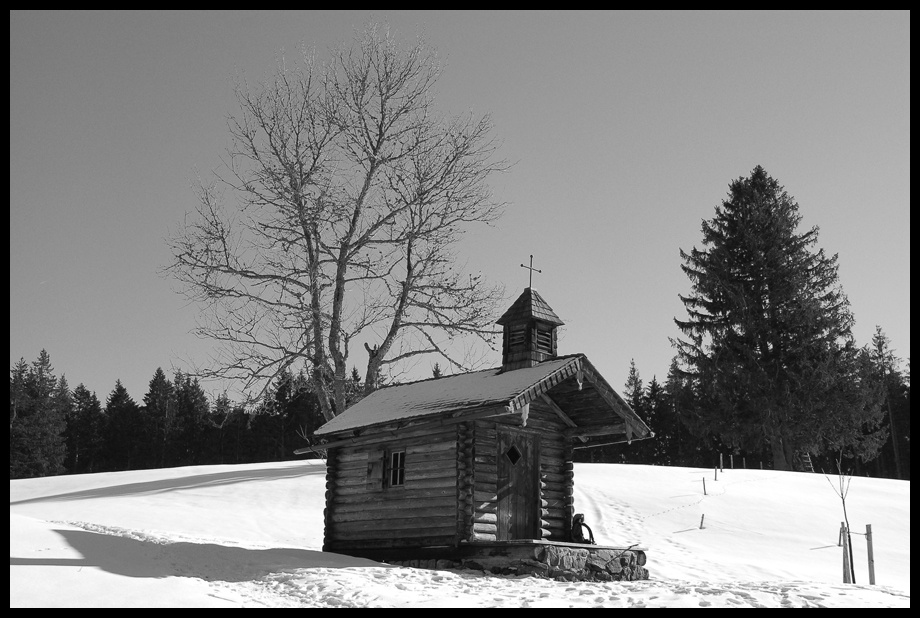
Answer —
(779, 454)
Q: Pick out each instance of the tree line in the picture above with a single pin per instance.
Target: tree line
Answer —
(681, 438)
(56, 430)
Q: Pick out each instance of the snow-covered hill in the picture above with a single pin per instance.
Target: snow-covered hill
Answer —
(224, 536)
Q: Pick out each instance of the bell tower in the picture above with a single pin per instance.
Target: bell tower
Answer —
(529, 335)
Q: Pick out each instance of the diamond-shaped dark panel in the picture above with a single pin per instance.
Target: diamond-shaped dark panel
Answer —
(513, 455)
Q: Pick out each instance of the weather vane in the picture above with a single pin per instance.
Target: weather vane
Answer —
(531, 269)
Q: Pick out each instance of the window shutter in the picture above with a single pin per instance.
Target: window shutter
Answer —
(375, 469)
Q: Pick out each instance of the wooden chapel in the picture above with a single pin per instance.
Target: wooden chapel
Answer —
(483, 457)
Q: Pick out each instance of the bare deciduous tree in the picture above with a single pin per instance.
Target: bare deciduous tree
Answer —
(337, 216)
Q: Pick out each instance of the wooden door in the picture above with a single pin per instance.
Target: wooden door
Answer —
(517, 485)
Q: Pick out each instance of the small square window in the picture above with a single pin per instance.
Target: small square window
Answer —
(513, 455)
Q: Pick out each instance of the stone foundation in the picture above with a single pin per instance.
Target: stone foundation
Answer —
(559, 561)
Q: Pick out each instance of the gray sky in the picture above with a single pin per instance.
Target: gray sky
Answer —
(625, 130)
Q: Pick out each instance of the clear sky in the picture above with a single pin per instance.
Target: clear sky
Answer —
(625, 130)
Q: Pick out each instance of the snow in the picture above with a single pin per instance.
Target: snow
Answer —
(250, 536)
(447, 394)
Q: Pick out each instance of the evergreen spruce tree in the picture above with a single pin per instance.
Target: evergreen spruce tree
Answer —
(886, 364)
(768, 333)
(159, 417)
(634, 393)
(229, 432)
(191, 421)
(656, 409)
(124, 434)
(63, 404)
(38, 402)
(85, 432)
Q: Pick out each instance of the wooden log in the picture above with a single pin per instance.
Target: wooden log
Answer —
(481, 528)
(485, 518)
(385, 515)
(485, 431)
(553, 487)
(348, 457)
(447, 445)
(480, 537)
(434, 483)
(552, 477)
(358, 464)
(350, 481)
(486, 507)
(481, 496)
(328, 526)
(344, 546)
(437, 456)
(426, 474)
(404, 493)
(373, 503)
(402, 534)
(486, 478)
(550, 461)
(415, 465)
(414, 526)
(551, 453)
(352, 470)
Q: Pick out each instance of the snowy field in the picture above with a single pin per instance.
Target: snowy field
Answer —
(250, 536)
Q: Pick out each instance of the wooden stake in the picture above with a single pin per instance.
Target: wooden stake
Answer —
(731, 461)
(721, 467)
(701, 520)
(846, 556)
(717, 473)
(704, 485)
(871, 554)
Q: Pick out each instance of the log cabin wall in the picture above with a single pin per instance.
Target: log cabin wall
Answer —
(485, 475)
(364, 509)
(466, 453)
(556, 474)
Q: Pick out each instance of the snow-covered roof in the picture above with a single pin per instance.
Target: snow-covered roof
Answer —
(466, 391)
(474, 390)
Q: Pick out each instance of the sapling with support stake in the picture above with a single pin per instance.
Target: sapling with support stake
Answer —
(843, 487)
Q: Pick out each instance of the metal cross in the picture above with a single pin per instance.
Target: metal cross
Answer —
(531, 269)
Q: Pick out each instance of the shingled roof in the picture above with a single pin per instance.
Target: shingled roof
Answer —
(491, 388)
(530, 305)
